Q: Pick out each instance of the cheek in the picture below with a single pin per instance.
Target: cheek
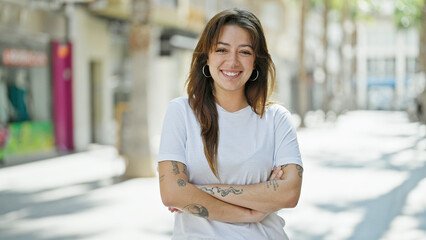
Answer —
(248, 63)
(212, 61)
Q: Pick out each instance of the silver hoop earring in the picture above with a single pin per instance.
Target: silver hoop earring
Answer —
(257, 75)
(205, 75)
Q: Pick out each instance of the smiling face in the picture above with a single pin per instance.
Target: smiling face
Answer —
(231, 61)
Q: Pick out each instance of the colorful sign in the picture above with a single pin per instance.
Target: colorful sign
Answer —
(23, 58)
(4, 135)
(24, 138)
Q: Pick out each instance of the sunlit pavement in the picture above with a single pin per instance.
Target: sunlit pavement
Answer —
(365, 178)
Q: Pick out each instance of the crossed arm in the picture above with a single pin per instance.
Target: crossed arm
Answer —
(178, 193)
(282, 190)
(229, 203)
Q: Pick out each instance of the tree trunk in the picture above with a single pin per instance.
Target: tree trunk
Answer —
(354, 86)
(302, 90)
(325, 87)
(136, 142)
(340, 98)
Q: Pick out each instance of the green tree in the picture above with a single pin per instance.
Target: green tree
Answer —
(409, 14)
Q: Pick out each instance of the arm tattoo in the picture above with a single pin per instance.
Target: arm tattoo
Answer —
(175, 168)
(197, 210)
(185, 170)
(300, 170)
(162, 177)
(284, 166)
(223, 192)
(181, 182)
(273, 183)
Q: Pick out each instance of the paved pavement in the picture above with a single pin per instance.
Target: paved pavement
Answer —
(365, 178)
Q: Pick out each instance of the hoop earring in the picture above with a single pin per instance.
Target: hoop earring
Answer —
(257, 75)
(205, 75)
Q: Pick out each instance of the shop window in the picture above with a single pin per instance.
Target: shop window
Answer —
(26, 125)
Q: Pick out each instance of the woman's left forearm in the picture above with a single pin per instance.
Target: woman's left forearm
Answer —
(268, 196)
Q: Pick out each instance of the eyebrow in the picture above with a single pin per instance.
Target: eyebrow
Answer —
(242, 45)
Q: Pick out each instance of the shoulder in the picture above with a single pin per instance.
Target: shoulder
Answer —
(178, 107)
(180, 103)
(280, 115)
(277, 110)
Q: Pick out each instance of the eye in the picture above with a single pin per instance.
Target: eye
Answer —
(220, 50)
(246, 52)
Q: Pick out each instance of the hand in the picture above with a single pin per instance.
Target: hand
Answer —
(276, 174)
(256, 216)
(174, 210)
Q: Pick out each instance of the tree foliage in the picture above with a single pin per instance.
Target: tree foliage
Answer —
(408, 13)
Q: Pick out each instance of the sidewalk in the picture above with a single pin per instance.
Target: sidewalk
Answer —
(79, 196)
(364, 179)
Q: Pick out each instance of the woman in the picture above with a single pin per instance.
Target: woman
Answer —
(228, 159)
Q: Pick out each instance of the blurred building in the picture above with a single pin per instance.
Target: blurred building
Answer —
(387, 60)
(27, 117)
(65, 69)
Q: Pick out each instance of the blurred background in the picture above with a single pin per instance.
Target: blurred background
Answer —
(84, 86)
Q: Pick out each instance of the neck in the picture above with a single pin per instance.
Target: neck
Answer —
(232, 102)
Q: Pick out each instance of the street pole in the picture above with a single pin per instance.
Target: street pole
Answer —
(136, 144)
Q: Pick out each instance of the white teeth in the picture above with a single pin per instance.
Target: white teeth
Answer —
(231, 74)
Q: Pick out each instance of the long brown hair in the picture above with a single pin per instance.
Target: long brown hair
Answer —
(201, 91)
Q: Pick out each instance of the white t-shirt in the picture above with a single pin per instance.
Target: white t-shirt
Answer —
(249, 147)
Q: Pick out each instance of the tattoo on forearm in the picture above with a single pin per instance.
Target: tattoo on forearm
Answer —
(223, 192)
(272, 184)
(175, 168)
(162, 177)
(181, 182)
(185, 170)
(300, 170)
(197, 210)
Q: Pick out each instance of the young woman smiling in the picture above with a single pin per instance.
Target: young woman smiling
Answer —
(229, 159)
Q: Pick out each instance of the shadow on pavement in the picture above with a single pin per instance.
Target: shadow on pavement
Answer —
(381, 211)
(29, 205)
(40, 236)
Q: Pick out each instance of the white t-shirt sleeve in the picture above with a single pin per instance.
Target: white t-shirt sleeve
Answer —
(286, 144)
(173, 135)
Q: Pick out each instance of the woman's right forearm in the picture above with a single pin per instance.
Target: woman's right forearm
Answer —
(177, 192)
(191, 200)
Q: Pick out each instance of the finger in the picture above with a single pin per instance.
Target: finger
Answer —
(273, 176)
(174, 210)
(274, 173)
(280, 173)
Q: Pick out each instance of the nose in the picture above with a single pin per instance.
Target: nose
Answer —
(233, 60)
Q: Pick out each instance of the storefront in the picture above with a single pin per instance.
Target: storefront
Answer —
(26, 117)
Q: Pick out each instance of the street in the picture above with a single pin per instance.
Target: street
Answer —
(364, 178)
